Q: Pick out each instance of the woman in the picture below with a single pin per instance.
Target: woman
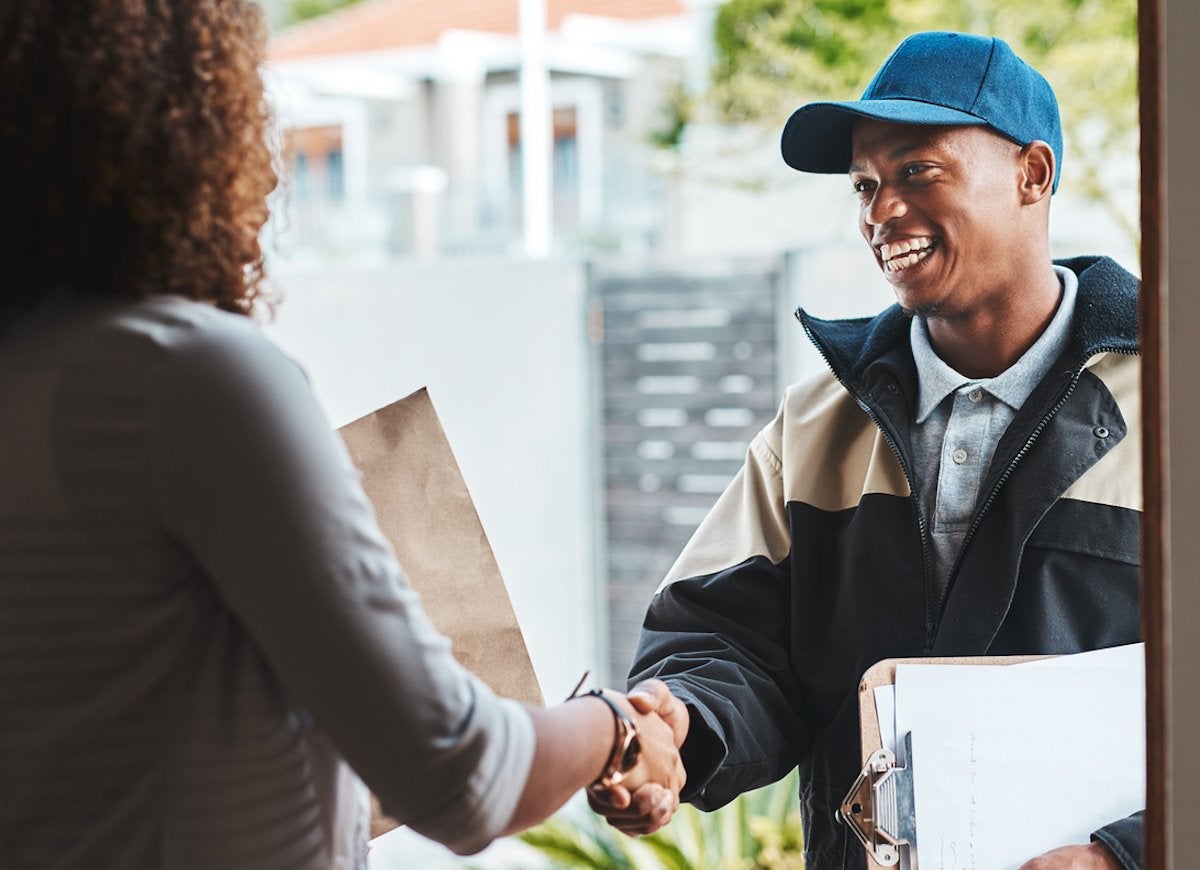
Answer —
(199, 619)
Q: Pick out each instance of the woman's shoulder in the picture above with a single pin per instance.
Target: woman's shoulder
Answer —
(166, 340)
(174, 321)
(68, 327)
(173, 330)
(194, 340)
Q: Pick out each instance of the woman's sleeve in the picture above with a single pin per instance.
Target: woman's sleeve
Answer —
(254, 484)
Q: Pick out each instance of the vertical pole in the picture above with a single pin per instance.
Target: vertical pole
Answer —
(536, 135)
(1156, 614)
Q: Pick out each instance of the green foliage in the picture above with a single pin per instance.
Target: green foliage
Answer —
(302, 10)
(767, 51)
(760, 830)
(773, 55)
(677, 111)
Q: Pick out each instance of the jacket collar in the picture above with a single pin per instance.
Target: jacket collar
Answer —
(1105, 320)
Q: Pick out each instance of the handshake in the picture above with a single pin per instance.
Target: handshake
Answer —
(648, 794)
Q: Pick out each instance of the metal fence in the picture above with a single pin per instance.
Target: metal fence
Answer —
(688, 373)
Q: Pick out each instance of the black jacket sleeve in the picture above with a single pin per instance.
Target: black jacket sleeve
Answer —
(718, 633)
(1125, 839)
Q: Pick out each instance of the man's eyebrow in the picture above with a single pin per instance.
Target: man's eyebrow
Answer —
(895, 154)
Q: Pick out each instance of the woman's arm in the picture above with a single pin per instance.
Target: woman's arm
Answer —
(574, 744)
(255, 485)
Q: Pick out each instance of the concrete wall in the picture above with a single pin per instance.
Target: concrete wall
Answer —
(504, 353)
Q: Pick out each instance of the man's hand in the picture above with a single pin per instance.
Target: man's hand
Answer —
(642, 809)
(1093, 856)
(653, 696)
(658, 760)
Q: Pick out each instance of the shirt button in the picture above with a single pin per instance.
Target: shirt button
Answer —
(975, 395)
(959, 456)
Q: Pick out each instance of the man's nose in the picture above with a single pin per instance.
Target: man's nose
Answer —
(884, 206)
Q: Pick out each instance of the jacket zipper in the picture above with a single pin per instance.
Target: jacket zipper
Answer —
(933, 617)
(1003, 479)
(926, 559)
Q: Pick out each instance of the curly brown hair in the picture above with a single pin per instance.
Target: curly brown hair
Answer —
(133, 149)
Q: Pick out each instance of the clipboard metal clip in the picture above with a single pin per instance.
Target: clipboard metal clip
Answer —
(879, 807)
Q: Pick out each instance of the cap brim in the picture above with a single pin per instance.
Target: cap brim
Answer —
(816, 137)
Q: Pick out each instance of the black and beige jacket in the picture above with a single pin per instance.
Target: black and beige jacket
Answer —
(814, 563)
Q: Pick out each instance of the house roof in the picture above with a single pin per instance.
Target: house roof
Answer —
(377, 25)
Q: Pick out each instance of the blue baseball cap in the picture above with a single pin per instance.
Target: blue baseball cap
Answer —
(936, 78)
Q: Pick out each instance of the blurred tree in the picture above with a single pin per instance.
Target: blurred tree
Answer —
(302, 10)
(677, 112)
(773, 55)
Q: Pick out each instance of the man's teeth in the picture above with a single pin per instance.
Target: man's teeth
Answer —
(897, 263)
(901, 255)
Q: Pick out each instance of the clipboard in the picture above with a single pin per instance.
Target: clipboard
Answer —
(879, 807)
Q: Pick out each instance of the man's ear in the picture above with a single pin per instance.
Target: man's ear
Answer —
(1037, 172)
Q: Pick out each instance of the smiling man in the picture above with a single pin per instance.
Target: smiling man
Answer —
(964, 481)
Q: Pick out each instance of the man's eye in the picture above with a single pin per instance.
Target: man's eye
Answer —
(861, 187)
(913, 169)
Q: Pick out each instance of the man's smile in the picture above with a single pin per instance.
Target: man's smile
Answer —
(897, 256)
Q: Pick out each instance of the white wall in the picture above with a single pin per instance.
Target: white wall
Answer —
(827, 281)
(502, 347)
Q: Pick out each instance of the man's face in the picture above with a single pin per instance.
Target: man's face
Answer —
(939, 207)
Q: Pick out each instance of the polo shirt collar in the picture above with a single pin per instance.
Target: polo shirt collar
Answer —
(937, 380)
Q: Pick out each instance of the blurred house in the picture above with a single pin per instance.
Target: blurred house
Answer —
(401, 135)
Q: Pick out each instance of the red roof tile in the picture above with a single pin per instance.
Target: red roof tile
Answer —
(382, 24)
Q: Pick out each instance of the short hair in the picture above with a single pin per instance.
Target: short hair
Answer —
(133, 153)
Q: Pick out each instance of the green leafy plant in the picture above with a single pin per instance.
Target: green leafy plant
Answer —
(760, 830)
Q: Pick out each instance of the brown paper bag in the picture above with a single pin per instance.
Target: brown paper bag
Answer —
(423, 508)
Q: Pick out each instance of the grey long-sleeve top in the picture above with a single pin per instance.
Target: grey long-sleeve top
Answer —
(199, 618)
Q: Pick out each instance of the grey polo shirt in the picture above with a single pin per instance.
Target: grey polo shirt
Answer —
(959, 421)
